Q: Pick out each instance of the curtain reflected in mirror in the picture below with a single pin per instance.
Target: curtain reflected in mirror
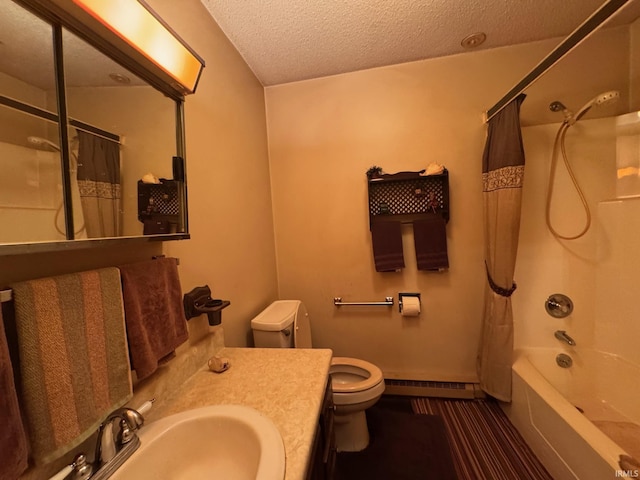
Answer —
(98, 180)
(128, 132)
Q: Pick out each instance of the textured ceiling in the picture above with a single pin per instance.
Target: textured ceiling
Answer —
(290, 40)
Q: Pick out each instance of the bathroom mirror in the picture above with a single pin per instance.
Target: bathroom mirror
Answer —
(81, 183)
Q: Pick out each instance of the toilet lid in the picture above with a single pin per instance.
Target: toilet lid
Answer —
(302, 326)
(353, 375)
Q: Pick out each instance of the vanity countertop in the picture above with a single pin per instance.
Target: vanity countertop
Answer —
(285, 384)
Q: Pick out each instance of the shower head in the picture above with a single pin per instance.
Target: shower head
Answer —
(570, 118)
(42, 143)
(603, 99)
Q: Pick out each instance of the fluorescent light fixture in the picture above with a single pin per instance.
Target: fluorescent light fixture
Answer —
(140, 27)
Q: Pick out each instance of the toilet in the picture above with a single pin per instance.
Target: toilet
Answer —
(356, 384)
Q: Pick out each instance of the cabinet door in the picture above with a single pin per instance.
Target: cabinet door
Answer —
(328, 434)
(323, 456)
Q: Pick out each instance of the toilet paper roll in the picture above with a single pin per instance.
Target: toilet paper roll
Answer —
(410, 306)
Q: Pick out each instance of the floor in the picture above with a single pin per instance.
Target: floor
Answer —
(484, 444)
(402, 446)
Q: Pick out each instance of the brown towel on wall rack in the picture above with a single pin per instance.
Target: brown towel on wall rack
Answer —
(430, 238)
(386, 238)
(13, 441)
(154, 314)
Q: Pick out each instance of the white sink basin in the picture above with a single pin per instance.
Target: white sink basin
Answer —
(227, 442)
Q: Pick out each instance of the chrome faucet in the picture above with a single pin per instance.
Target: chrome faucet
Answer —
(107, 446)
(564, 337)
(112, 450)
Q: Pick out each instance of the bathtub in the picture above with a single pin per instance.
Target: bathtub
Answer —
(577, 420)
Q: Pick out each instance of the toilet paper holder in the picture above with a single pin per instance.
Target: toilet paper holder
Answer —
(404, 294)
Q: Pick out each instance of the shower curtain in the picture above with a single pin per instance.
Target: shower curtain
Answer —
(502, 175)
(99, 184)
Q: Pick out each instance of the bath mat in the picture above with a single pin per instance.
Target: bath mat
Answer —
(485, 445)
(403, 446)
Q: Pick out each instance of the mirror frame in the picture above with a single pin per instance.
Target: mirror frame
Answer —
(59, 20)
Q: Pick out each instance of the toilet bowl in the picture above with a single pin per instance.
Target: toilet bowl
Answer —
(357, 384)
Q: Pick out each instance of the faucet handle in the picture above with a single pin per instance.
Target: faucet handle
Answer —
(558, 305)
(132, 418)
(146, 406)
(126, 433)
(79, 469)
(82, 470)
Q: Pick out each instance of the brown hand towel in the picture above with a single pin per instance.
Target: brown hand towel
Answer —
(13, 441)
(430, 238)
(74, 366)
(154, 313)
(386, 237)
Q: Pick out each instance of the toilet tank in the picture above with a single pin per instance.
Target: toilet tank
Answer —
(273, 327)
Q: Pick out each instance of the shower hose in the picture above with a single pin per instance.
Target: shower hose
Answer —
(559, 147)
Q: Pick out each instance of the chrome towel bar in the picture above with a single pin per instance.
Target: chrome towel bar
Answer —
(388, 302)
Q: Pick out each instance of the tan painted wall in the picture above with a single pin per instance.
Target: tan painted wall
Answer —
(14, 124)
(230, 220)
(323, 136)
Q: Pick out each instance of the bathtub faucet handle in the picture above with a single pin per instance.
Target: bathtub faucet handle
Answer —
(564, 337)
(558, 305)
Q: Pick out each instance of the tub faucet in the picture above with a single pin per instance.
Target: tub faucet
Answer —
(564, 337)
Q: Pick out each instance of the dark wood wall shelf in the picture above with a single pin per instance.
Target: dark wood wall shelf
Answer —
(408, 198)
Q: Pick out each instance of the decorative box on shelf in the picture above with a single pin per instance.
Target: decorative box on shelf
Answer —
(408, 196)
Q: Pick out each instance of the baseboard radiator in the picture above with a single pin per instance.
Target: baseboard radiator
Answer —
(423, 388)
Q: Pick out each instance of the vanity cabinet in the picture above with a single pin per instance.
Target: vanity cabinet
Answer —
(323, 452)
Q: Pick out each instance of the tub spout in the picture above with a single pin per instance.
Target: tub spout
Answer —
(564, 337)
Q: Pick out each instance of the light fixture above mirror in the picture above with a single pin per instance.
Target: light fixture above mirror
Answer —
(136, 23)
(130, 32)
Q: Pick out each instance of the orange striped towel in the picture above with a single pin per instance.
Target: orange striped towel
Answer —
(73, 357)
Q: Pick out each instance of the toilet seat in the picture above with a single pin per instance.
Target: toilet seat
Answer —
(351, 375)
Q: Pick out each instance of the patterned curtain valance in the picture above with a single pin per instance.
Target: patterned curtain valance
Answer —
(506, 177)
